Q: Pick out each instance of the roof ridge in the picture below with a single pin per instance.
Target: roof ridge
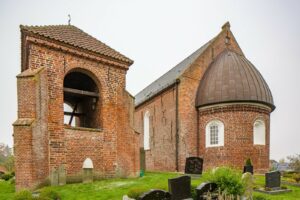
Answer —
(169, 77)
(80, 39)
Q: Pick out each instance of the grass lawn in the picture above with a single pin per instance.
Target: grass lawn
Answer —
(114, 189)
(295, 194)
(7, 190)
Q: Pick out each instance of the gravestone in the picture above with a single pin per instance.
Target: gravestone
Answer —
(273, 180)
(248, 168)
(155, 195)
(205, 188)
(248, 182)
(180, 188)
(61, 175)
(54, 177)
(193, 165)
(87, 176)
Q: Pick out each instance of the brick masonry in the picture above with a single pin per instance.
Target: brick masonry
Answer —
(41, 140)
(162, 107)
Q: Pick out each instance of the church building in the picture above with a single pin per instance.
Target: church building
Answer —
(214, 104)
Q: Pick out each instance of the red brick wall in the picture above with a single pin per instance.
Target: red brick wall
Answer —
(238, 123)
(188, 87)
(50, 144)
(30, 131)
(161, 156)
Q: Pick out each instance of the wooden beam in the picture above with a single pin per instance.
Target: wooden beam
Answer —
(72, 114)
(80, 92)
(75, 114)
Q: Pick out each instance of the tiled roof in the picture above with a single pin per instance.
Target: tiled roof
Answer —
(74, 36)
(170, 77)
(233, 78)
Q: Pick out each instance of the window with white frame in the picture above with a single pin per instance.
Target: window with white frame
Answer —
(214, 134)
(147, 131)
(259, 132)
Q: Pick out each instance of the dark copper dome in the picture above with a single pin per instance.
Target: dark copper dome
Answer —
(232, 78)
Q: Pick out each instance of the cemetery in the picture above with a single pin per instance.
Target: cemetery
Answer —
(196, 184)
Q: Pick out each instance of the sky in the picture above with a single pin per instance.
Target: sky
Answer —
(159, 34)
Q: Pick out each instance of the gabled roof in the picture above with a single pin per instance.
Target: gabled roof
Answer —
(170, 77)
(74, 36)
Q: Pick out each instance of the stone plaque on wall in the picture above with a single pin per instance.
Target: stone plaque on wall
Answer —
(61, 175)
(54, 177)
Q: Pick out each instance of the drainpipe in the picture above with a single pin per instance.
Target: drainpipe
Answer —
(177, 128)
(198, 133)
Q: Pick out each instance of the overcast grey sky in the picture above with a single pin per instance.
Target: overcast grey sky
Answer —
(158, 34)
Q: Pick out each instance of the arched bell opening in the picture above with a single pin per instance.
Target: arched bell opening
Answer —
(81, 101)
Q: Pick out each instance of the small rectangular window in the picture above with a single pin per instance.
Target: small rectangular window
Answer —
(214, 135)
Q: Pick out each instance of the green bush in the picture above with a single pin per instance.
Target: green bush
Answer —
(296, 177)
(284, 187)
(6, 176)
(227, 179)
(12, 181)
(49, 193)
(248, 162)
(136, 192)
(23, 195)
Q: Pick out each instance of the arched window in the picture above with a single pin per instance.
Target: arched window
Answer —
(81, 96)
(214, 134)
(259, 132)
(147, 131)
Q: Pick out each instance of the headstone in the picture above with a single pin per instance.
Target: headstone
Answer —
(61, 175)
(180, 188)
(248, 182)
(205, 188)
(87, 176)
(155, 195)
(273, 180)
(54, 177)
(193, 165)
(248, 168)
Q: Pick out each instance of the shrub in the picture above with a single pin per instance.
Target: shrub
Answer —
(12, 181)
(6, 176)
(49, 193)
(248, 162)
(136, 192)
(23, 195)
(284, 187)
(296, 177)
(227, 179)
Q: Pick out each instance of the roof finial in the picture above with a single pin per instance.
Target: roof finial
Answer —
(69, 21)
(226, 26)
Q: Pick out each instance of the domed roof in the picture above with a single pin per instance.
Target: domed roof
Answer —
(232, 78)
